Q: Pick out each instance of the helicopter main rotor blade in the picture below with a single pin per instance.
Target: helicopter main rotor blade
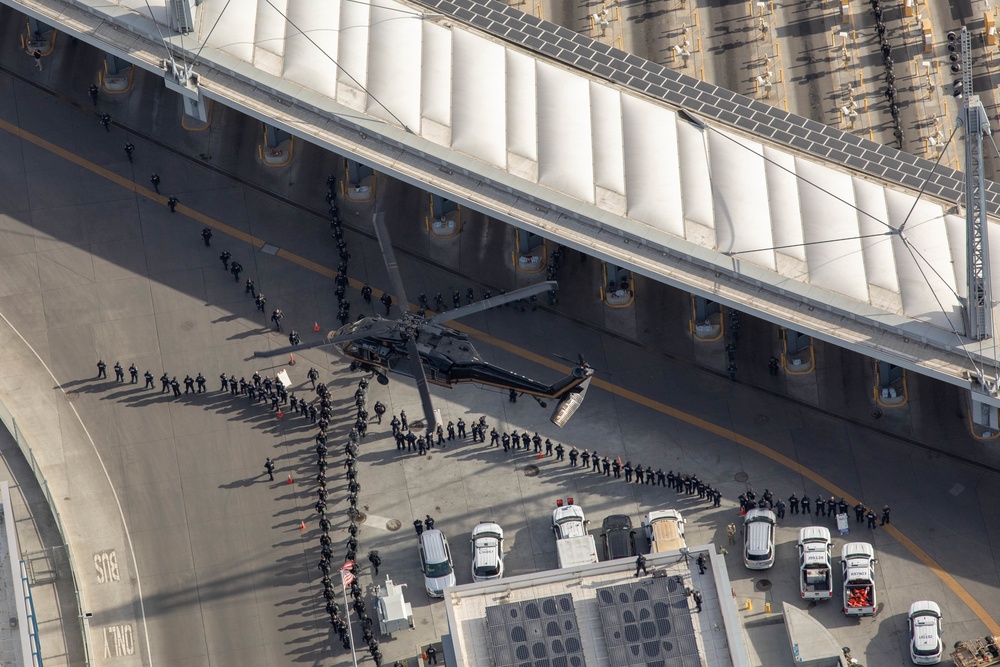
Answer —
(330, 340)
(288, 349)
(493, 302)
(417, 368)
(389, 255)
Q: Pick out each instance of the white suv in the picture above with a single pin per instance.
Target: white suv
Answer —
(487, 552)
(435, 562)
(924, 620)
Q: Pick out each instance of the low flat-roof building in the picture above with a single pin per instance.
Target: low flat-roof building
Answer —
(601, 615)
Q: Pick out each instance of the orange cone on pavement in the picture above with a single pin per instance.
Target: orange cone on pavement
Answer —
(302, 525)
(280, 414)
(291, 359)
(316, 326)
(290, 480)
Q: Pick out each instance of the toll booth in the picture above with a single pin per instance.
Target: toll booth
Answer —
(985, 422)
(359, 182)
(706, 322)
(618, 289)
(890, 385)
(445, 219)
(38, 37)
(530, 255)
(276, 148)
(984, 414)
(797, 358)
(116, 77)
(183, 80)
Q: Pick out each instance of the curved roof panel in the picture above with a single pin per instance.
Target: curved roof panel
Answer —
(626, 145)
(793, 214)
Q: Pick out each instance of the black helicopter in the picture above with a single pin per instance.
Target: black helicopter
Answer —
(443, 356)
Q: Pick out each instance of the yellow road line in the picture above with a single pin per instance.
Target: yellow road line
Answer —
(645, 401)
(129, 184)
(759, 448)
(313, 266)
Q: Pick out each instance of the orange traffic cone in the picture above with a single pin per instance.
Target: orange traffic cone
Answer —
(302, 525)
(539, 456)
(290, 480)
(280, 414)
(316, 326)
(291, 359)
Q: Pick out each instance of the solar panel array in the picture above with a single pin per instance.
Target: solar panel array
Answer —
(648, 623)
(763, 120)
(535, 633)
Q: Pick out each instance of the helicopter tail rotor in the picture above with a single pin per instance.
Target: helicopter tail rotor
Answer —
(580, 363)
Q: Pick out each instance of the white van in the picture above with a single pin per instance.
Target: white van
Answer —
(758, 539)
(435, 561)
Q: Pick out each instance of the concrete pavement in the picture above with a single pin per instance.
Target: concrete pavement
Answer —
(97, 270)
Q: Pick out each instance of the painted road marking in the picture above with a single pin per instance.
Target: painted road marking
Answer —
(662, 408)
(380, 522)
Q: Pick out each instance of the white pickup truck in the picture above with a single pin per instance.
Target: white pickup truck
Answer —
(664, 530)
(857, 561)
(574, 545)
(815, 563)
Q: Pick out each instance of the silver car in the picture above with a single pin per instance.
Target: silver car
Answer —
(487, 552)
(924, 621)
(435, 562)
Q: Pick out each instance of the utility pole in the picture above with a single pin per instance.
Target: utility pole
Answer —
(979, 306)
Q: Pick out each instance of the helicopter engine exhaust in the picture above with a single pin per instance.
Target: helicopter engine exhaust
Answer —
(569, 404)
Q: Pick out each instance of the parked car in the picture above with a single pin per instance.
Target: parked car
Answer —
(487, 552)
(857, 562)
(758, 539)
(436, 563)
(926, 646)
(568, 520)
(815, 563)
(665, 531)
(574, 545)
(617, 537)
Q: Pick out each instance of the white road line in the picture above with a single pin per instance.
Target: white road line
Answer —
(379, 522)
(121, 512)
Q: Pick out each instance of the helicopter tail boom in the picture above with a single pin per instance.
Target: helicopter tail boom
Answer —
(569, 403)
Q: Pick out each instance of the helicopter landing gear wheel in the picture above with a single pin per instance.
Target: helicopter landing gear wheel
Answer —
(382, 379)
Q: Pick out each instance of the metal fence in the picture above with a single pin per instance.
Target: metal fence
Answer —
(11, 424)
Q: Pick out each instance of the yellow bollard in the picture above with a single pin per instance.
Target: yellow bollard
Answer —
(767, 607)
(749, 605)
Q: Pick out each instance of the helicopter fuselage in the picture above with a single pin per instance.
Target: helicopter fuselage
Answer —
(446, 355)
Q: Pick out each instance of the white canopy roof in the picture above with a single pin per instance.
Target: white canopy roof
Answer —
(804, 219)
(686, 182)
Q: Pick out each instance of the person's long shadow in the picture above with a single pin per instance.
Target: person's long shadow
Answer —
(249, 481)
(90, 386)
(249, 333)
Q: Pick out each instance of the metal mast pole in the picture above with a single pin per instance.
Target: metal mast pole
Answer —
(347, 613)
(979, 306)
